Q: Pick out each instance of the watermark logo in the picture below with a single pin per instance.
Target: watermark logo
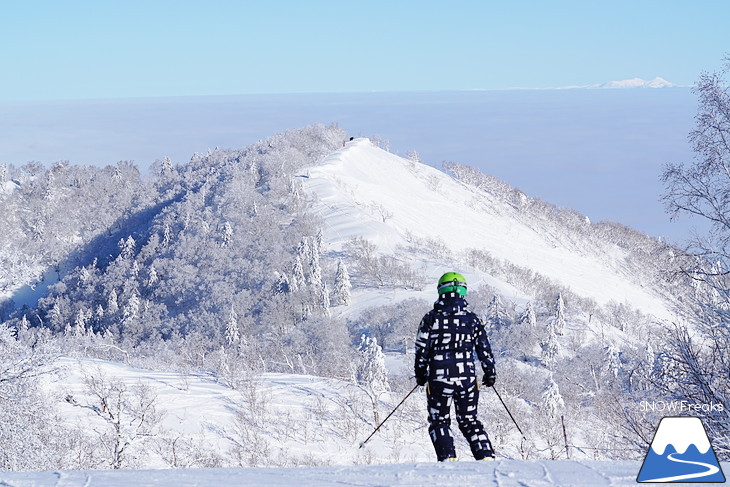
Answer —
(680, 407)
(681, 452)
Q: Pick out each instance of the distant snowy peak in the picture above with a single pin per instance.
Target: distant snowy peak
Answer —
(634, 83)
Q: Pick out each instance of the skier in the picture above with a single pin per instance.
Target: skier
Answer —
(445, 344)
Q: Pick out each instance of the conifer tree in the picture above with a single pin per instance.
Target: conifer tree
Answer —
(552, 400)
(297, 280)
(112, 303)
(233, 336)
(496, 314)
(324, 299)
(343, 287)
(559, 323)
(528, 318)
(550, 348)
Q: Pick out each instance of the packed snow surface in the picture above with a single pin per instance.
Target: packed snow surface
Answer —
(504, 473)
(364, 191)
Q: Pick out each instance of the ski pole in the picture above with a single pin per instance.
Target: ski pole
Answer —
(508, 412)
(388, 416)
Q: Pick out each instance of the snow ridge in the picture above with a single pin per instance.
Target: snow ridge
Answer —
(363, 191)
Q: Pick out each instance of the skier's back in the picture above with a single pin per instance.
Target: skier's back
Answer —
(447, 338)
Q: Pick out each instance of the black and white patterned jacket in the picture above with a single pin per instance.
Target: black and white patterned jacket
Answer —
(447, 338)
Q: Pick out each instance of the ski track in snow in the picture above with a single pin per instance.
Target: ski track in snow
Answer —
(72, 479)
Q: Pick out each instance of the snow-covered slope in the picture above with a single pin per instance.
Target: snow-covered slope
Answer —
(364, 191)
(270, 419)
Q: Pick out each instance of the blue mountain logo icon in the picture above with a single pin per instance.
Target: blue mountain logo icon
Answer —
(681, 452)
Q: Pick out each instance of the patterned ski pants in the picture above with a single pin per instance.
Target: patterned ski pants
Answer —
(465, 396)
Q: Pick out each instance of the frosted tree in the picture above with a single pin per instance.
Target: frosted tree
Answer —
(297, 281)
(318, 243)
(497, 317)
(28, 430)
(131, 309)
(342, 292)
(131, 416)
(559, 322)
(304, 251)
(56, 315)
(24, 325)
(166, 168)
(612, 361)
(233, 336)
(550, 348)
(528, 318)
(549, 421)
(166, 235)
(152, 277)
(324, 299)
(99, 313)
(371, 373)
(699, 189)
(282, 285)
(127, 247)
(227, 235)
(112, 303)
(315, 269)
(134, 270)
(79, 328)
(552, 401)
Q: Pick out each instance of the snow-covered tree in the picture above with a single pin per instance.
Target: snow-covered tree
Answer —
(315, 269)
(282, 285)
(343, 288)
(550, 348)
(551, 401)
(371, 373)
(131, 309)
(127, 247)
(528, 317)
(297, 281)
(232, 334)
(612, 361)
(227, 234)
(112, 303)
(324, 299)
(497, 317)
(699, 360)
(131, 415)
(152, 277)
(559, 322)
(29, 430)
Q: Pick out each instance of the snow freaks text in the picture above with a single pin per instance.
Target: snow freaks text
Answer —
(680, 407)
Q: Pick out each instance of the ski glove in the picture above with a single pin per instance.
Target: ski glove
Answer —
(421, 380)
(490, 375)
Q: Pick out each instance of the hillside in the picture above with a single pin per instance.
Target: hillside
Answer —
(363, 191)
(250, 294)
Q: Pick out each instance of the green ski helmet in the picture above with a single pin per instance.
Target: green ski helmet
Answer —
(452, 282)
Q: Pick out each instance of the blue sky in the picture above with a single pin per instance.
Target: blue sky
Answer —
(75, 49)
